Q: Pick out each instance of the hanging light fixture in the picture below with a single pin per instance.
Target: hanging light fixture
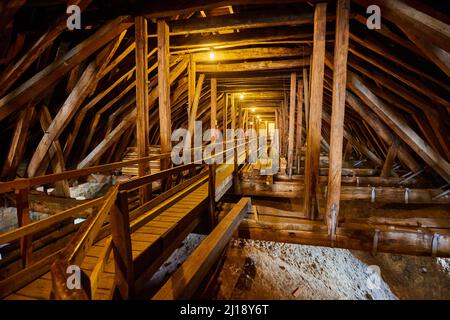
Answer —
(212, 55)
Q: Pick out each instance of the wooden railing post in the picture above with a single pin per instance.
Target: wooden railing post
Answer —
(23, 218)
(235, 168)
(120, 230)
(212, 195)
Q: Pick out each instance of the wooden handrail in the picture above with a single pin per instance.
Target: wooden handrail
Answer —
(40, 225)
(75, 251)
(27, 183)
(140, 181)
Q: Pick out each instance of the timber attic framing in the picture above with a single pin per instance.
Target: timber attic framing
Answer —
(362, 117)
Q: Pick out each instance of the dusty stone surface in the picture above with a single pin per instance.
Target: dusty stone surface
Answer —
(411, 277)
(269, 270)
(8, 218)
(172, 263)
(91, 189)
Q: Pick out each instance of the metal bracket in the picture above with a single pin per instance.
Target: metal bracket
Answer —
(376, 237)
(372, 195)
(434, 244)
(333, 223)
(407, 190)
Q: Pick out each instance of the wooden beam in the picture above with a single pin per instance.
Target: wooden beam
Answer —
(403, 13)
(382, 130)
(85, 85)
(127, 121)
(18, 144)
(195, 103)
(399, 126)
(187, 279)
(438, 56)
(306, 96)
(14, 71)
(337, 114)
(252, 66)
(361, 147)
(165, 112)
(42, 81)
(213, 108)
(142, 128)
(392, 154)
(239, 21)
(292, 103)
(250, 53)
(55, 156)
(191, 83)
(315, 116)
(299, 123)
(175, 7)
(245, 38)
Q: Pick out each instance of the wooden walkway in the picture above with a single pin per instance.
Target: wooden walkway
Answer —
(165, 232)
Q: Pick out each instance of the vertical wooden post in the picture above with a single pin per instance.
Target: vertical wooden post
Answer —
(23, 218)
(306, 97)
(315, 112)
(293, 92)
(213, 114)
(165, 113)
(392, 154)
(298, 139)
(121, 238)
(337, 114)
(191, 84)
(212, 195)
(347, 151)
(233, 127)
(142, 128)
(233, 111)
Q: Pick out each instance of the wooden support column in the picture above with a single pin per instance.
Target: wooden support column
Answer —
(233, 111)
(298, 132)
(165, 114)
(55, 157)
(315, 112)
(233, 137)
(213, 109)
(18, 142)
(193, 115)
(121, 240)
(291, 119)
(392, 154)
(212, 196)
(306, 96)
(191, 84)
(23, 218)
(337, 114)
(225, 120)
(142, 128)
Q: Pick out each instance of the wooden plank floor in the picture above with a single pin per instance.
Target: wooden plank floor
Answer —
(143, 238)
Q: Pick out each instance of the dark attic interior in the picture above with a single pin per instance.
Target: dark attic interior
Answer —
(224, 150)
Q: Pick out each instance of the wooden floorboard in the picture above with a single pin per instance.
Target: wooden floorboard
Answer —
(141, 240)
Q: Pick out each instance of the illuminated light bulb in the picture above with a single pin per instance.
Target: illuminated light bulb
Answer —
(212, 55)
(253, 110)
(241, 96)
